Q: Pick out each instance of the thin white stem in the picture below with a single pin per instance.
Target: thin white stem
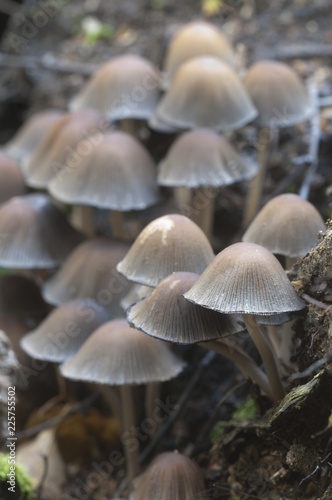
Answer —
(151, 394)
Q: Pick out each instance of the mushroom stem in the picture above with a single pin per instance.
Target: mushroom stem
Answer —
(82, 219)
(117, 223)
(203, 205)
(245, 363)
(112, 400)
(256, 184)
(129, 125)
(287, 334)
(273, 335)
(151, 394)
(183, 200)
(267, 355)
(128, 423)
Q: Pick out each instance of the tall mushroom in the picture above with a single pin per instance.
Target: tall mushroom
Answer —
(12, 182)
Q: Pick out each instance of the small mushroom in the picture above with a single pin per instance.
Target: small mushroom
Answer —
(12, 182)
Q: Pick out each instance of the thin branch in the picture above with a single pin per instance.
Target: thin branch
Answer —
(46, 62)
(315, 302)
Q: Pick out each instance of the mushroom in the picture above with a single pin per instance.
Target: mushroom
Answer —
(170, 476)
(98, 280)
(247, 279)
(281, 100)
(195, 39)
(198, 159)
(169, 243)
(116, 354)
(12, 182)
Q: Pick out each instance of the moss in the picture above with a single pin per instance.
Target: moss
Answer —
(244, 411)
(24, 487)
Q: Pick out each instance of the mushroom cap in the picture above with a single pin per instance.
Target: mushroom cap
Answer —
(99, 280)
(63, 332)
(21, 297)
(206, 92)
(245, 278)
(127, 86)
(116, 354)
(137, 292)
(167, 315)
(12, 182)
(116, 173)
(201, 157)
(31, 133)
(195, 39)
(66, 142)
(34, 233)
(168, 244)
(286, 225)
(277, 93)
(170, 476)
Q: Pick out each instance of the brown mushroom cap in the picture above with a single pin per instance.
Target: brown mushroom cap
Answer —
(170, 476)
(117, 173)
(247, 279)
(116, 354)
(286, 225)
(277, 93)
(67, 142)
(34, 233)
(193, 40)
(167, 315)
(20, 297)
(63, 332)
(32, 132)
(11, 179)
(99, 280)
(168, 244)
(206, 92)
(203, 158)
(124, 87)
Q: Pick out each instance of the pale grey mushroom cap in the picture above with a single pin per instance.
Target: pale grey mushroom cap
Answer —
(170, 476)
(117, 173)
(206, 92)
(167, 315)
(116, 354)
(98, 280)
(63, 332)
(287, 225)
(137, 292)
(195, 39)
(127, 86)
(168, 244)
(34, 233)
(245, 278)
(278, 94)
(203, 158)
(11, 179)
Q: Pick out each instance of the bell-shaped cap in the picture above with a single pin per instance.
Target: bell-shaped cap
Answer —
(167, 315)
(206, 92)
(203, 158)
(168, 244)
(67, 142)
(31, 133)
(99, 280)
(137, 292)
(195, 39)
(34, 233)
(116, 354)
(127, 86)
(20, 297)
(277, 93)
(11, 179)
(286, 225)
(63, 332)
(170, 476)
(116, 173)
(247, 279)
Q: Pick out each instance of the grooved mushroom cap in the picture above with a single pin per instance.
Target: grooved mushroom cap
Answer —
(168, 244)
(21, 297)
(34, 233)
(286, 225)
(67, 142)
(31, 133)
(11, 179)
(247, 279)
(98, 280)
(136, 292)
(170, 476)
(63, 332)
(117, 173)
(194, 40)
(203, 158)
(167, 315)
(124, 87)
(277, 93)
(116, 354)
(206, 92)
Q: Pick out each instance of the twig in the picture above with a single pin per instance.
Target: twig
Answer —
(302, 51)
(308, 371)
(291, 177)
(315, 302)
(46, 62)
